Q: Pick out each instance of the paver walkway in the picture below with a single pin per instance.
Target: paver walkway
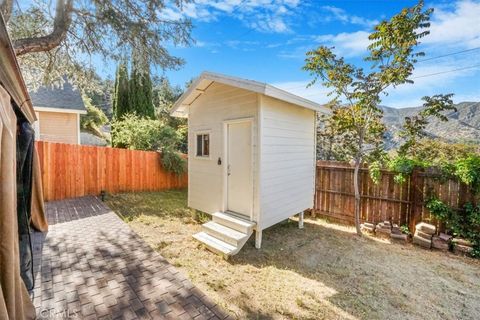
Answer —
(91, 265)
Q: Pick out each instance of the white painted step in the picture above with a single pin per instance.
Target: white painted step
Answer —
(214, 244)
(226, 234)
(233, 222)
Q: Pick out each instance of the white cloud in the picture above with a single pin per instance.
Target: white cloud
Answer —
(346, 44)
(338, 14)
(438, 76)
(192, 11)
(316, 93)
(460, 26)
(269, 23)
(272, 16)
(426, 79)
(454, 27)
(170, 14)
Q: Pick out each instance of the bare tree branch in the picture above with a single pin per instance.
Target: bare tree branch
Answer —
(61, 24)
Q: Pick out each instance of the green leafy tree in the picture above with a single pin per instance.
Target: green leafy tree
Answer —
(103, 97)
(356, 114)
(57, 38)
(165, 96)
(413, 131)
(94, 119)
(414, 127)
(121, 103)
(437, 152)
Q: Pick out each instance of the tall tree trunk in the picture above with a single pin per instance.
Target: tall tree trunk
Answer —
(356, 184)
(61, 24)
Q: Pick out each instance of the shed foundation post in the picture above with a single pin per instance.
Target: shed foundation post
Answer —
(300, 220)
(258, 239)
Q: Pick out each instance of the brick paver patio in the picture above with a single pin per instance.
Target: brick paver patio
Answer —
(91, 265)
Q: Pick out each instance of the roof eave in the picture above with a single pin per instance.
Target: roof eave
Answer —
(59, 110)
(180, 109)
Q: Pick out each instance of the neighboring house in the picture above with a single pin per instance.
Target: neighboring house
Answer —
(251, 157)
(58, 111)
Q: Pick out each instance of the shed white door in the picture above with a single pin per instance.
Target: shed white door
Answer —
(239, 168)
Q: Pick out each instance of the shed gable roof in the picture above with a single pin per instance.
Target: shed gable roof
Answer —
(201, 84)
(65, 97)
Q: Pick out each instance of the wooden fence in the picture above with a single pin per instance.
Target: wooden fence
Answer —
(74, 170)
(402, 203)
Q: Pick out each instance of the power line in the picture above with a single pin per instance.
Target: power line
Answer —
(448, 71)
(417, 77)
(449, 54)
(421, 76)
(428, 59)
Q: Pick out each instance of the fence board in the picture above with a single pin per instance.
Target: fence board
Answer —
(387, 200)
(74, 170)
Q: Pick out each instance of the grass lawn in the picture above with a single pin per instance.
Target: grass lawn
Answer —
(321, 272)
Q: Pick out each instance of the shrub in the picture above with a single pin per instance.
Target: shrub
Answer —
(133, 132)
(173, 162)
(463, 223)
(468, 171)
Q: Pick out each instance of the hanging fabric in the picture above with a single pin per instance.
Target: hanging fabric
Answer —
(25, 145)
(38, 220)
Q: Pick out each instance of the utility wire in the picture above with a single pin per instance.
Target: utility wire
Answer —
(449, 54)
(427, 59)
(421, 76)
(448, 71)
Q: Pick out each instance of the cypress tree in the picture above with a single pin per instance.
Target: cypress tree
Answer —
(148, 95)
(140, 89)
(121, 96)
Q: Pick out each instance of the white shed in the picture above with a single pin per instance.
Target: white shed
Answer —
(251, 157)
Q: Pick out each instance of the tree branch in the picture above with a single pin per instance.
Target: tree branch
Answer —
(6, 7)
(61, 24)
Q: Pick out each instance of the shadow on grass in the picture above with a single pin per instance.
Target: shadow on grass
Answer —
(361, 277)
(371, 278)
(169, 203)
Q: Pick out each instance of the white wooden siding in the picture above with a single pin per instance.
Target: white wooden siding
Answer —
(218, 104)
(286, 160)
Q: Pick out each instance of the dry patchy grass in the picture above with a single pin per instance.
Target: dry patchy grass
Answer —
(321, 272)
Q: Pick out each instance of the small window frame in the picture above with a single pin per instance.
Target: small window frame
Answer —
(209, 139)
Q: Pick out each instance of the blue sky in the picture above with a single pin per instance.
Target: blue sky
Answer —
(266, 40)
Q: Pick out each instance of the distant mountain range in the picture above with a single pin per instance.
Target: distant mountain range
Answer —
(462, 126)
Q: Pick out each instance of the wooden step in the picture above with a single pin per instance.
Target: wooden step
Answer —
(216, 245)
(226, 234)
(233, 222)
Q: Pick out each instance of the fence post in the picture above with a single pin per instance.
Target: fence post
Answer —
(411, 215)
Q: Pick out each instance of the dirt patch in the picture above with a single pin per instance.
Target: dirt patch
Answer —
(321, 272)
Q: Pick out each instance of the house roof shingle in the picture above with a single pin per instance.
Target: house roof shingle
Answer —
(65, 97)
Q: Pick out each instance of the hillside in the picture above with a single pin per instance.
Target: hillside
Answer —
(462, 126)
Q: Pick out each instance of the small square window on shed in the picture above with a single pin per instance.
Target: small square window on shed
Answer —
(203, 145)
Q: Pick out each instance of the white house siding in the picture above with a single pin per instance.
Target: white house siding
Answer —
(287, 160)
(58, 127)
(207, 114)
